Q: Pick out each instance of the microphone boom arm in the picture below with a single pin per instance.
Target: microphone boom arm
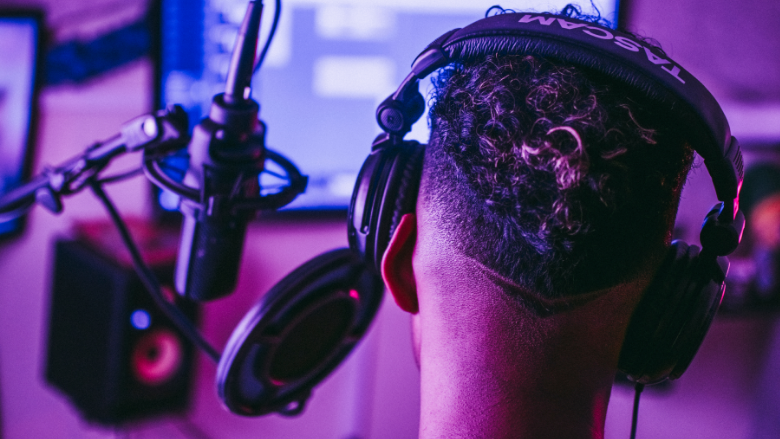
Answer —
(157, 133)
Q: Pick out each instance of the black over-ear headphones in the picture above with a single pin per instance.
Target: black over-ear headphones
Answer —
(670, 321)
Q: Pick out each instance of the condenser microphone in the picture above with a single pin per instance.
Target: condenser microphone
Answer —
(227, 153)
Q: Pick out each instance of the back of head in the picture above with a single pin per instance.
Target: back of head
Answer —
(552, 176)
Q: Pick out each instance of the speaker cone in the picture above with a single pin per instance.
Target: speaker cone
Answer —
(157, 357)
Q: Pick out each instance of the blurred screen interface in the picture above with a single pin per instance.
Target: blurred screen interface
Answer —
(331, 63)
(18, 45)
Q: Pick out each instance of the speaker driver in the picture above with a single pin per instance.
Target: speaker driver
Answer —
(157, 357)
(298, 333)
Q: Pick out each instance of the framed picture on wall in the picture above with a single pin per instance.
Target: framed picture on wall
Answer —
(20, 58)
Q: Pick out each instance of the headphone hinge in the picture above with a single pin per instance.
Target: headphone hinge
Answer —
(432, 57)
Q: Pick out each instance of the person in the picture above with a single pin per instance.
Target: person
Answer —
(546, 203)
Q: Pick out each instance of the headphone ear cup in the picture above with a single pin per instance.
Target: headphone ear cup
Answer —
(385, 190)
(674, 315)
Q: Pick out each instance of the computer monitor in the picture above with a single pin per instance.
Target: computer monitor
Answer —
(20, 42)
(331, 63)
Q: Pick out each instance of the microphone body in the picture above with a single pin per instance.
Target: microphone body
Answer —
(209, 254)
(227, 154)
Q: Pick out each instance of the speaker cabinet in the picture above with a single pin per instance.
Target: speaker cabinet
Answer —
(110, 351)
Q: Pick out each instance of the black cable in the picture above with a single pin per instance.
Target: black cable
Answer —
(635, 416)
(119, 177)
(277, 13)
(12, 214)
(150, 281)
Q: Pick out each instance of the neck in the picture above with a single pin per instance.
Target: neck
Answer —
(494, 369)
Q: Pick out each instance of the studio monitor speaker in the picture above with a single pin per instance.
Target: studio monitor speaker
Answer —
(110, 351)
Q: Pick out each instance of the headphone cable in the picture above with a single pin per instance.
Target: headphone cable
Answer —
(635, 416)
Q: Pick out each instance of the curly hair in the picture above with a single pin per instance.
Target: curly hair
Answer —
(551, 175)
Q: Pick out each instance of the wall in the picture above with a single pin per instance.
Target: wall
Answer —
(375, 393)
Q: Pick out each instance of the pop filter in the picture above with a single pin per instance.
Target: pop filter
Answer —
(297, 334)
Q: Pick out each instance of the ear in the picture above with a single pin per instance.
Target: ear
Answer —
(397, 270)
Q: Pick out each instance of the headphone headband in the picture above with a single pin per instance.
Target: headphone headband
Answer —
(613, 53)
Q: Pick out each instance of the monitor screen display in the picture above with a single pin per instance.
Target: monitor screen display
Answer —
(19, 45)
(331, 63)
